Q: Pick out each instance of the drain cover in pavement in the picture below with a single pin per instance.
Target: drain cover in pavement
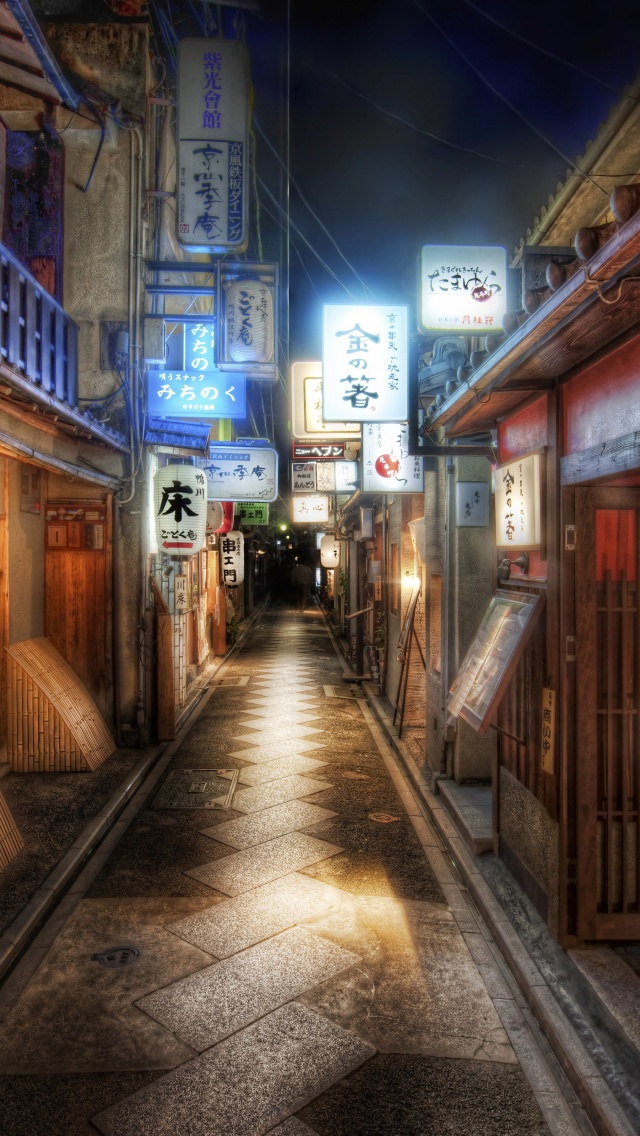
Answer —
(117, 957)
(341, 692)
(231, 680)
(198, 789)
(383, 818)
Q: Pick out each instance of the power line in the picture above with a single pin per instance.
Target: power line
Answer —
(505, 100)
(545, 50)
(302, 197)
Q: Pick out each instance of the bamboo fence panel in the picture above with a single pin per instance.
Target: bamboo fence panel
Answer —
(10, 839)
(54, 726)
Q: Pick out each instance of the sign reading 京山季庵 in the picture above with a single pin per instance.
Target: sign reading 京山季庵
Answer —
(517, 503)
(548, 732)
(365, 363)
(239, 472)
(306, 407)
(180, 508)
(213, 144)
(463, 288)
(313, 510)
(232, 556)
(253, 512)
(387, 465)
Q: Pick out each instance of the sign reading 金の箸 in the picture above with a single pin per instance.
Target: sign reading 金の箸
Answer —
(517, 503)
(237, 472)
(365, 363)
(212, 132)
(387, 465)
(463, 288)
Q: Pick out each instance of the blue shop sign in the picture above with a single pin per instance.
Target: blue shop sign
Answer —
(196, 394)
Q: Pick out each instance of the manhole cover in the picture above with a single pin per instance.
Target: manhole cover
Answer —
(351, 775)
(198, 789)
(231, 680)
(117, 957)
(383, 818)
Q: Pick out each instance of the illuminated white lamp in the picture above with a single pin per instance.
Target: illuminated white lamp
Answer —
(329, 552)
(249, 304)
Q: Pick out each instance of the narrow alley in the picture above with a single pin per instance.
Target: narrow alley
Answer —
(275, 943)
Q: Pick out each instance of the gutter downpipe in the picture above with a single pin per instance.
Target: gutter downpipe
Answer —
(385, 593)
(448, 611)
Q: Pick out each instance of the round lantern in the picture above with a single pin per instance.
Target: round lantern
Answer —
(329, 551)
(249, 321)
(180, 509)
(232, 558)
(215, 515)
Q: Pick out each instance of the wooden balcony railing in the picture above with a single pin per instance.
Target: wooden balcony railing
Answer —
(37, 337)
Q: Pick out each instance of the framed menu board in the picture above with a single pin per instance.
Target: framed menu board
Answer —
(487, 668)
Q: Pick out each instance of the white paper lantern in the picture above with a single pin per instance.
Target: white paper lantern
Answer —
(215, 515)
(180, 509)
(232, 553)
(329, 552)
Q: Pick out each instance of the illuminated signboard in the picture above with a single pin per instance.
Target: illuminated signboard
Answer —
(180, 509)
(517, 503)
(239, 472)
(365, 364)
(196, 394)
(313, 510)
(306, 407)
(463, 288)
(253, 512)
(387, 465)
(213, 145)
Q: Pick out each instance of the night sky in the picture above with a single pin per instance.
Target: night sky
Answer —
(381, 187)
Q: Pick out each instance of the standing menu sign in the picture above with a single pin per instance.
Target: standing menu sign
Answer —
(213, 145)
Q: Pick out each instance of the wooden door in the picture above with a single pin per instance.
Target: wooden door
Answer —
(607, 703)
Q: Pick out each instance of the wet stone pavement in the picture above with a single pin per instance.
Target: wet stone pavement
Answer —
(307, 961)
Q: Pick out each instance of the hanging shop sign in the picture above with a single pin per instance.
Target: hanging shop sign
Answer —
(247, 318)
(196, 394)
(213, 145)
(303, 477)
(336, 477)
(472, 504)
(387, 465)
(253, 512)
(463, 288)
(365, 363)
(215, 515)
(232, 553)
(548, 731)
(325, 477)
(329, 552)
(237, 472)
(517, 503)
(180, 508)
(318, 451)
(306, 407)
(310, 509)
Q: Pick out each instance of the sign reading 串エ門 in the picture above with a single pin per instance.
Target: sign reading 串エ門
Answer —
(253, 512)
(463, 288)
(365, 363)
(213, 136)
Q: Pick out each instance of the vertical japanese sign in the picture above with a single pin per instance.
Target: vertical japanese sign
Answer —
(232, 552)
(518, 503)
(212, 134)
(387, 466)
(329, 551)
(180, 508)
(200, 391)
(306, 406)
(548, 731)
(365, 363)
(463, 288)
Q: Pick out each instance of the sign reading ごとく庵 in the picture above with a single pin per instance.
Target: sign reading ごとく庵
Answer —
(180, 508)
(517, 503)
(212, 132)
(463, 288)
(365, 363)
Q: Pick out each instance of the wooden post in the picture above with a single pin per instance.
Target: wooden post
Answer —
(165, 690)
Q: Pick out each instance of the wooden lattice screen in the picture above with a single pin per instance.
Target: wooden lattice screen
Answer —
(10, 839)
(53, 726)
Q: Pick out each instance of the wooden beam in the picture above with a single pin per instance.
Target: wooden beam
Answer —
(608, 459)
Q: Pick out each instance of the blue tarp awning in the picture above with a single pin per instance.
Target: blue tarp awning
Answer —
(192, 436)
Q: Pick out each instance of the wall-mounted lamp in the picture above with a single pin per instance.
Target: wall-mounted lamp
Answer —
(504, 566)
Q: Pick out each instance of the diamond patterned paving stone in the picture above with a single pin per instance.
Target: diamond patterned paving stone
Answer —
(207, 1006)
(306, 702)
(233, 925)
(275, 731)
(276, 792)
(280, 721)
(270, 751)
(278, 710)
(246, 1084)
(244, 870)
(283, 767)
(255, 828)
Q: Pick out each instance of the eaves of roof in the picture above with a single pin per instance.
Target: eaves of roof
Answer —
(33, 34)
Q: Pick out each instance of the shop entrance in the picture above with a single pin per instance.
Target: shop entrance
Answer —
(608, 699)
